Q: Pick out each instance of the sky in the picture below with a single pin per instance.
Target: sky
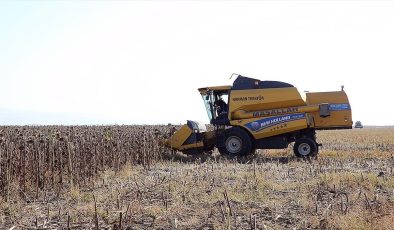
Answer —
(131, 62)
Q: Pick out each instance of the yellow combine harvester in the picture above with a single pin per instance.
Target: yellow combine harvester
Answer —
(253, 114)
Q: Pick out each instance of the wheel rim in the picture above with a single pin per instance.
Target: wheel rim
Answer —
(233, 144)
(304, 149)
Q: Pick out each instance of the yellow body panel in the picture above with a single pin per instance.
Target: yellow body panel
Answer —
(263, 99)
(242, 114)
(340, 111)
(179, 137)
(192, 146)
(204, 90)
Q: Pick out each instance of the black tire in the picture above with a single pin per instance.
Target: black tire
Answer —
(305, 147)
(237, 142)
(253, 151)
(222, 150)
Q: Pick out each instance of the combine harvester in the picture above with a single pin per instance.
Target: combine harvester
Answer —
(262, 115)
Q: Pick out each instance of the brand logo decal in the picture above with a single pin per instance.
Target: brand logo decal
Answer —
(339, 107)
(254, 98)
(258, 125)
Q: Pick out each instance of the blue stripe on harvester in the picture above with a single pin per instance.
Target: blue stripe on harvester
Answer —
(271, 121)
(339, 107)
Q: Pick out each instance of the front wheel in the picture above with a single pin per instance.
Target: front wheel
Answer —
(236, 142)
(305, 147)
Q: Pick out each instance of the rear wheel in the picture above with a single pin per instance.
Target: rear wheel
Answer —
(305, 147)
(237, 142)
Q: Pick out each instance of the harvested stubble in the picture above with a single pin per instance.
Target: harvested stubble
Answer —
(350, 186)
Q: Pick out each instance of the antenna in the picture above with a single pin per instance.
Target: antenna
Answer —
(342, 86)
(233, 75)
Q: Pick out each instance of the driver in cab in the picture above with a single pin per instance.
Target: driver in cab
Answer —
(221, 106)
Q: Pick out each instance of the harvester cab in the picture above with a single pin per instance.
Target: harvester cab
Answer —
(253, 114)
(216, 103)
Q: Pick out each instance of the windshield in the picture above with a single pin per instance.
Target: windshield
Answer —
(208, 106)
(216, 105)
